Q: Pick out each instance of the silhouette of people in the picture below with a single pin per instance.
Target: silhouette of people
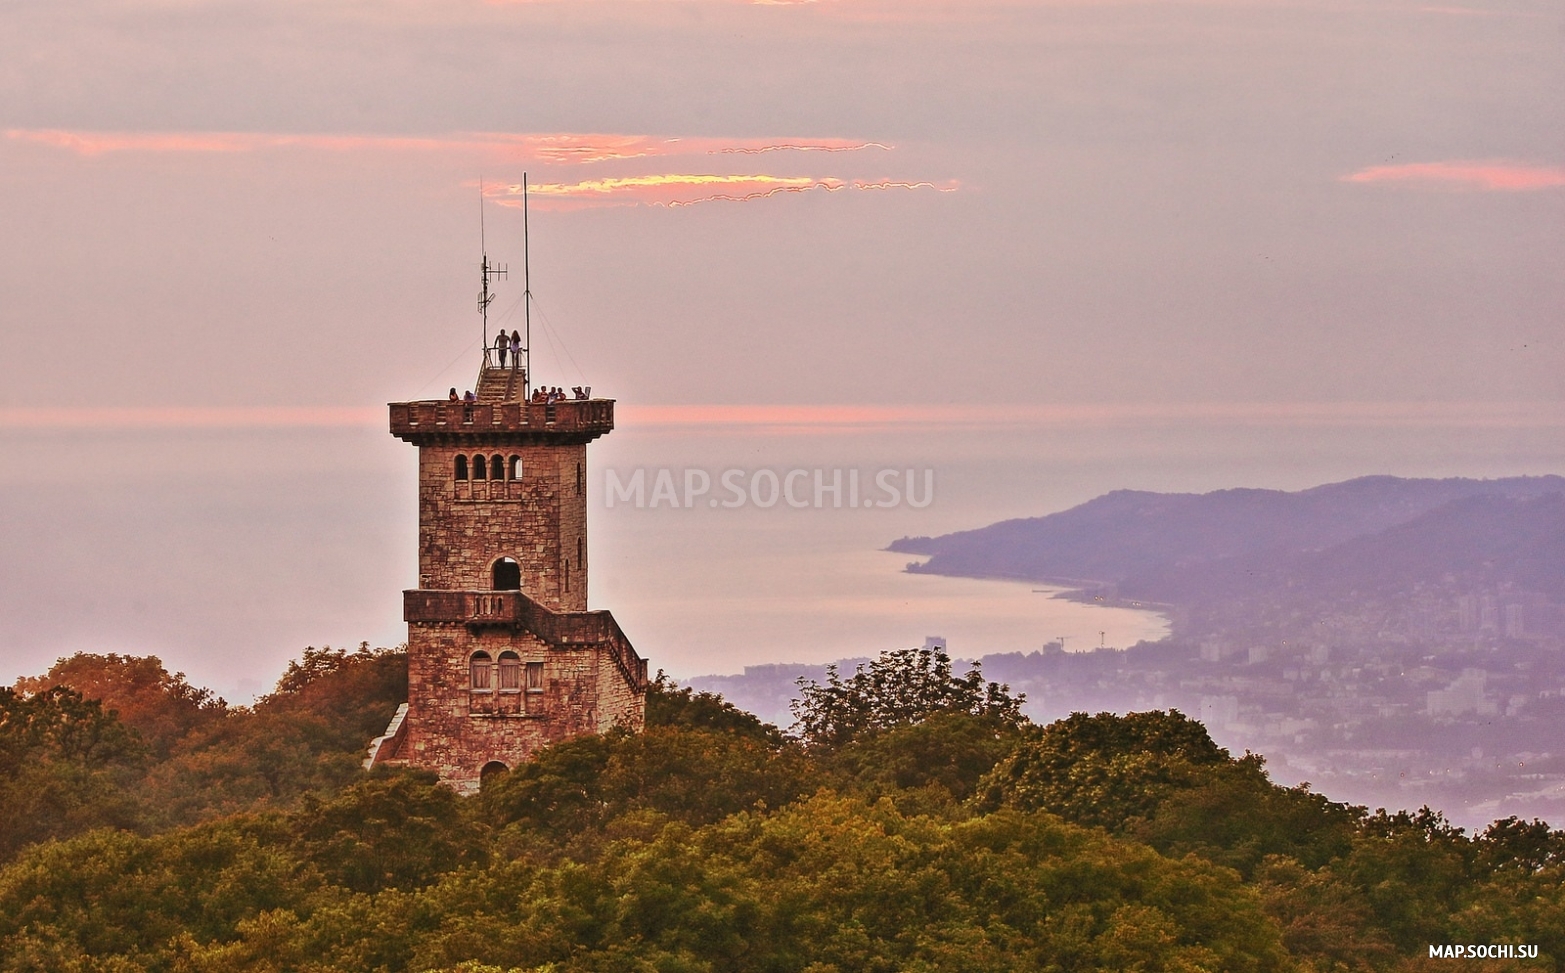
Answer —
(453, 396)
(516, 350)
(468, 396)
(501, 346)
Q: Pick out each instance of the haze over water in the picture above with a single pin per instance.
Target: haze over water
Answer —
(226, 552)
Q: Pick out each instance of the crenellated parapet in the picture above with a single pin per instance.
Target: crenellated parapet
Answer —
(441, 422)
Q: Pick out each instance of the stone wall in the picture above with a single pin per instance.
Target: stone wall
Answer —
(456, 730)
(540, 520)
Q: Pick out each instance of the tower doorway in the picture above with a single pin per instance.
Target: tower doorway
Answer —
(507, 575)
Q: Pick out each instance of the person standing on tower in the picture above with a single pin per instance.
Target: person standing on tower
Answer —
(500, 346)
(516, 349)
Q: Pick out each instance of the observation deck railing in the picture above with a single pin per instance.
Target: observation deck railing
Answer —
(593, 417)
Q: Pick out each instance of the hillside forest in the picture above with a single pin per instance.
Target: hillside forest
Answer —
(911, 819)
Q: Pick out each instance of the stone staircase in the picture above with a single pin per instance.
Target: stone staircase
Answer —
(498, 385)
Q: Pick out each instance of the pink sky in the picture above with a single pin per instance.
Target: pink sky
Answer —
(1053, 248)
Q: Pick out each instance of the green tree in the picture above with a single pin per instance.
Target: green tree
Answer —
(900, 688)
(833, 883)
(692, 775)
(115, 901)
(307, 736)
(1104, 770)
(1324, 920)
(1159, 778)
(163, 708)
(949, 752)
(66, 766)
(680, 706)
(398, 829)
(1415, 870)
(1526, 846)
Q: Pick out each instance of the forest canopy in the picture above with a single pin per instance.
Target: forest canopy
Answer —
(911, 820)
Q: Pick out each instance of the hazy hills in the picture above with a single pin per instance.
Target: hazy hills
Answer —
(1356, 535)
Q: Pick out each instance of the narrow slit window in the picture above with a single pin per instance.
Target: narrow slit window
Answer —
(581, 479)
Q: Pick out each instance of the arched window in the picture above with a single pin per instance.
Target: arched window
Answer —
(461, 467)
(516, 467)
(489, 772)
(482, 672)
(510, 670)
(507, 575)
(496, 467)
(480, 467)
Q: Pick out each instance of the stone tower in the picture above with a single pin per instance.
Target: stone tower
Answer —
(503, 655)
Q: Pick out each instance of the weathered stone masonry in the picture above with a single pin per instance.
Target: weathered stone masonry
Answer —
(503, 655)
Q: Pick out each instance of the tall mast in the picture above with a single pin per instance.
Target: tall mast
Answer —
(485, 298)
(527, 299)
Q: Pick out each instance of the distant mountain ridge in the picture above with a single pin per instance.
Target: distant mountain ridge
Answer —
(1366, 531)
(1473, 542)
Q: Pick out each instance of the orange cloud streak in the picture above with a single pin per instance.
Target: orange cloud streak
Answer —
(1496, 175)
(670, 189)
(554, 147)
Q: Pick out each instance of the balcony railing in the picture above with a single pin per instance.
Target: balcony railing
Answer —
(589, 417)
(483, 609)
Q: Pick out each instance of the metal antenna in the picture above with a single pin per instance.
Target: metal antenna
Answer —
(485, 298)
(527, 299)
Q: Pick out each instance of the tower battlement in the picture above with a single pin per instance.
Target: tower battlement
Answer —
(575, 421)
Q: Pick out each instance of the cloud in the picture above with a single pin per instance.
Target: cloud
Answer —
(686, 189)
(615, 153)
(560, 148)
(1491, 175)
